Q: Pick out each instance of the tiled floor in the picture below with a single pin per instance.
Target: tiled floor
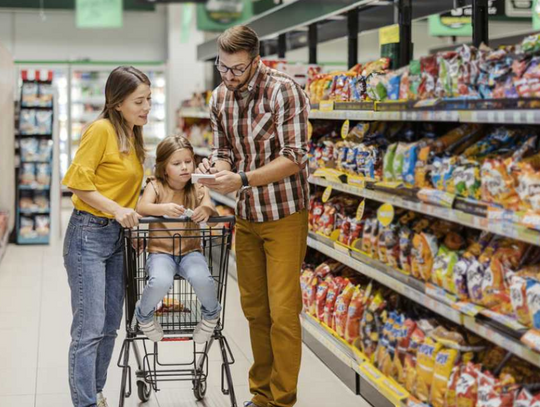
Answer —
(35, 318)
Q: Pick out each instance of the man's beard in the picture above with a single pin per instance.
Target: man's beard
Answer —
(239, 86)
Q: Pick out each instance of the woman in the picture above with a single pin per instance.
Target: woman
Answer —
(105, 178)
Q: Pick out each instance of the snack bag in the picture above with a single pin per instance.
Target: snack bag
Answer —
(403, 341)
(370, 326)
(445, 362)
(342, 309)
(388, 163)
(334, 290)
(533, 301)
(443, 266)
(425, 362)
(475, 277)
(424, 250)
(405, 248)
(305, 280)
(311, 296)
(409, 164)
(399, 160)
(518, 296)
(491, 392)
(320, 301)
(467, 387)
(524, 399)
(450, 398)
(354, 315)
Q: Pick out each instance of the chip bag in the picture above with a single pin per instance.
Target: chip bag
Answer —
(425, 362)
(445, 362)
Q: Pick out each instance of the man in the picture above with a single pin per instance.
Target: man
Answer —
(259, 120)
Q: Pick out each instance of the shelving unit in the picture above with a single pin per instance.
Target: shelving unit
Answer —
(35, 144)
(285, 29)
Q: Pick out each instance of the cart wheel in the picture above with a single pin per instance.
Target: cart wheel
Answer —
(199, 389)
(144, 390)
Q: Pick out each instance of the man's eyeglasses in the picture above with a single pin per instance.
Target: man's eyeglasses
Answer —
(235, 71)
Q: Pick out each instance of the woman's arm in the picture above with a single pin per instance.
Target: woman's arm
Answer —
(147, 205)
(127, 217)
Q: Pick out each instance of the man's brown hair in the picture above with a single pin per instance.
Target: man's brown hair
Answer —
(239, 38)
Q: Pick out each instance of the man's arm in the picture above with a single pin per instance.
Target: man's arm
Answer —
(291, 109)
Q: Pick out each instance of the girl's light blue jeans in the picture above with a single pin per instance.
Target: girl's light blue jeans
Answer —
(161, 271)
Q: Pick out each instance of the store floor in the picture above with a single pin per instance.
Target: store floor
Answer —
(35, 319)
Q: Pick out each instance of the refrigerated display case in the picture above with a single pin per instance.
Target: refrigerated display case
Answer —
(88, 98)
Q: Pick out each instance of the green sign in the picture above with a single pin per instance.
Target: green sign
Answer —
(218, 15)
(98, 13)
(446, 25)
(536, 15)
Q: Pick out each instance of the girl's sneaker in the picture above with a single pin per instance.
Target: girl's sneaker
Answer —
(204, 330)
(152, 330)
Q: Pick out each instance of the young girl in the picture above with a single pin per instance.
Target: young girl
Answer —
(170, 194)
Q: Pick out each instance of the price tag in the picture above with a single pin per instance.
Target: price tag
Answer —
(356, 181)
(345, 129)
(360, 210)
(326, 194)
(341, 248)
(440, 294)
(392, 390)
(326, 105)
(532, 339)
(467, 308)
(503, 319)
(427, 103)
(385, 214)
(389, 35)
(369, 370)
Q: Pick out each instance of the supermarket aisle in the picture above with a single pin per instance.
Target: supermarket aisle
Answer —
(34, 337)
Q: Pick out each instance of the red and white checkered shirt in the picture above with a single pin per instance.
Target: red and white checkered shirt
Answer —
(252, 130)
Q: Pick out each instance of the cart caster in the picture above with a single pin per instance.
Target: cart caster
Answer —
(199, 389)
(144, 390)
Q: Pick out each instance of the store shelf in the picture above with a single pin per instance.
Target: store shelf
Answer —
(510, 344)
(202, 151)
(525, 116)
(34, 211)
(34, 187)
(225, 200)
(503, 228)
(194, 114)
(417, 292)
(400, 283)
(387, 391)
(35, 240)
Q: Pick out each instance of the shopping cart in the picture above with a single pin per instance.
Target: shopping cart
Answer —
(179, 312)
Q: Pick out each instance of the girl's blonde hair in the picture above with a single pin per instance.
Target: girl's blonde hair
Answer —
(121, 83)
(165, 149)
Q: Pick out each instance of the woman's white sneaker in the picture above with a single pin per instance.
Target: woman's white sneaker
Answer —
(152, 330)
(204, 330)
(101, 401)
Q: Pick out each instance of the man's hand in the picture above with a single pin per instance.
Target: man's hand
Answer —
(206, 168)
(225, 182)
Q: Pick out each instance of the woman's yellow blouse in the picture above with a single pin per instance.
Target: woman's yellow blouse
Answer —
(100, 166)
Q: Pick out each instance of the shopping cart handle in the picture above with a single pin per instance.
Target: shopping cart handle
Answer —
(184, 219)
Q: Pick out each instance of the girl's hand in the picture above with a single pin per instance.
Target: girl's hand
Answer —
(173, 210)
(127, 217)
(201, 214)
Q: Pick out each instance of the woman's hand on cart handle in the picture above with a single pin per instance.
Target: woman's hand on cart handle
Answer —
(127, 217)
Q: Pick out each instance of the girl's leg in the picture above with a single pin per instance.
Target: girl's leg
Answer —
(194, 269)
(161, 271)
